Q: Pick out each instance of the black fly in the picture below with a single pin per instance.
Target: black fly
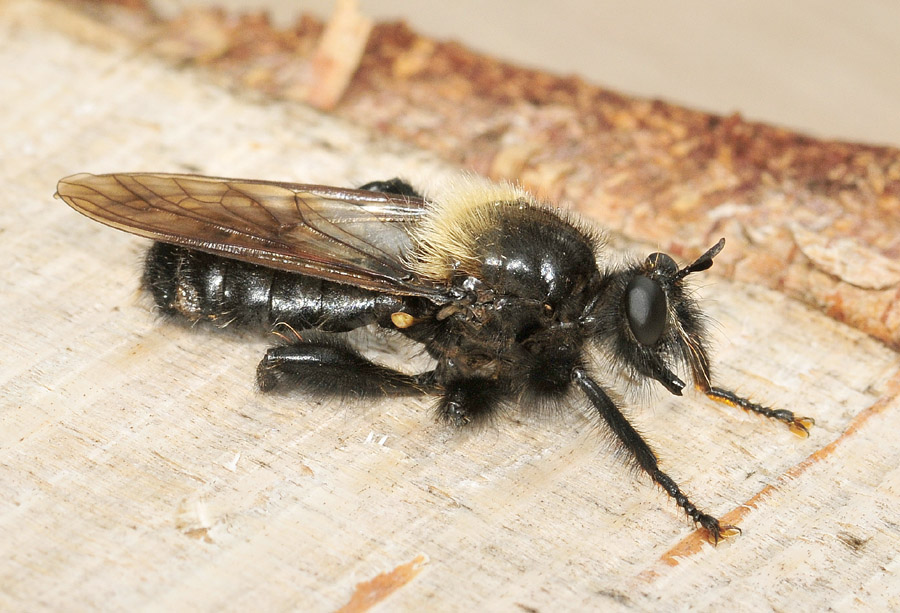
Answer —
(507, 295)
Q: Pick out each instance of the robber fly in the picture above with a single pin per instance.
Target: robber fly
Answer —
(506, 294)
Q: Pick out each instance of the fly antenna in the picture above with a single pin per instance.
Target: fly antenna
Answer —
(703, 262)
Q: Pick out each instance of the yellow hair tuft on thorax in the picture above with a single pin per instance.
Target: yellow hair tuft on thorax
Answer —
(444, 242)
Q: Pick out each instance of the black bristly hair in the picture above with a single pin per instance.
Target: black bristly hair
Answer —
(646, 317)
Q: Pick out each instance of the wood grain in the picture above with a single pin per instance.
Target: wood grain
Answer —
(140, 469)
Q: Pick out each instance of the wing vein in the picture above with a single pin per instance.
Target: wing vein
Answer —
(342, 235)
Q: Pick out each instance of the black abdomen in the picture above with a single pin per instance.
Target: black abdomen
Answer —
(199, 286)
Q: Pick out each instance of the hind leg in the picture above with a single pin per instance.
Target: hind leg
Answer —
(395, 186)
(331, 367)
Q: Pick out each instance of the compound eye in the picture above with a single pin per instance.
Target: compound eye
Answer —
(645, 306)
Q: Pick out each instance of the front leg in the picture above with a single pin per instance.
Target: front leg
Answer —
(699, 362)
(798, 425)
(644, 456)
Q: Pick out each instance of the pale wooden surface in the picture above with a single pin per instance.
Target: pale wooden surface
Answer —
(139, 468)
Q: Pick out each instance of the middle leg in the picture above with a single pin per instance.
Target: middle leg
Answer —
(471, 400)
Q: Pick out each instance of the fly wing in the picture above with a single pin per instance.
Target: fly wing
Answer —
(350, 236)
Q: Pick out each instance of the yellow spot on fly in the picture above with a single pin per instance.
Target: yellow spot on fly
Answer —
(402, 320)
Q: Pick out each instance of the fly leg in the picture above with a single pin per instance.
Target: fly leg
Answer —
(468, 401)
(644, 457)
(798, 425)
(395, 186)
(699, 362)
(329, 366)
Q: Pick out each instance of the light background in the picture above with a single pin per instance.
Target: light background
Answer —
(829, 68)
